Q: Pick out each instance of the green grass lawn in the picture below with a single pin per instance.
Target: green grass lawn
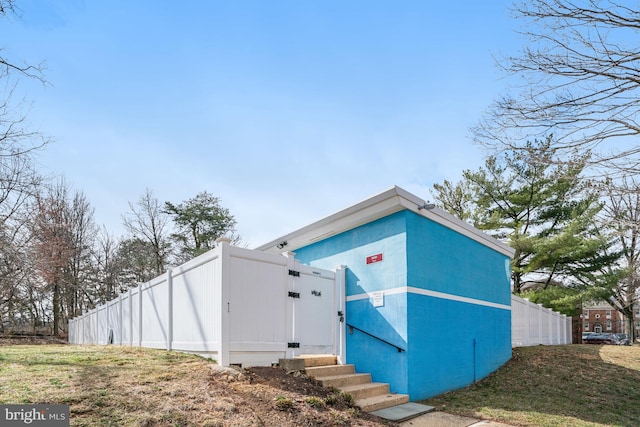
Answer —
(574, 385)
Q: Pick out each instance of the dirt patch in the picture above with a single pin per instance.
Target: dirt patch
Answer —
(30, 339)
(295, 382)
(294, 399)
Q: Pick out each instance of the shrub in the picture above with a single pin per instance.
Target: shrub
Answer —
(283, 403)
(315, 402)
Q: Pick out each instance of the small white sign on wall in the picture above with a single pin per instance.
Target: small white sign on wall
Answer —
(378, 299)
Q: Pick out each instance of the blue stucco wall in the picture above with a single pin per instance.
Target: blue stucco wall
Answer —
(383, 361)
(452, 344)
(448, 342)
(442, 260)
(386, 236)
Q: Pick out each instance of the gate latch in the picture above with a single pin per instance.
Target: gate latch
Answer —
(341, 316)
(293, 345)
(294, 294)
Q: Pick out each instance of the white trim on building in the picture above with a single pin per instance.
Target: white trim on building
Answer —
(379, 206)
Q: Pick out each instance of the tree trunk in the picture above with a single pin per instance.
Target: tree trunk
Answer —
(632, 330)
(56, 310)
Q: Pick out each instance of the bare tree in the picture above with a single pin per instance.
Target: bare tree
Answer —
(79, 273)
(19, 183)
(63, 236)
(16, 141)
(580, 81)
(19, 179)
(8, 67)
(52, 246)
(15, 272)
(105, 259)
(623, 214)
(148, 223)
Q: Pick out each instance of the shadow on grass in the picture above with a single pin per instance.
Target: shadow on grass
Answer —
(556, 385)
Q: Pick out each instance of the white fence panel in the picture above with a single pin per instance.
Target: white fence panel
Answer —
(134, 321)
(196, 308)
(533, 314)
(73, 324)
(92, 331)
(155, 313)
(83, 327)
(102, 329)
(545, 333)
(519, 319)
(125, 323)
(113, 321)
(257, 306)
(532, 324)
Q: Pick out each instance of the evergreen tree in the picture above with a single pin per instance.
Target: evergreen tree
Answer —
(199, 221)
(544, 211)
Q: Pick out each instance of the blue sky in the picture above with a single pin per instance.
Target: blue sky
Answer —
(286, 110)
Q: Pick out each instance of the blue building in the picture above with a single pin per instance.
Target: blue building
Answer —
(428, 297)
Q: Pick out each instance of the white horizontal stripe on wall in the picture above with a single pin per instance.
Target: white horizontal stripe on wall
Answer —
(434, 294)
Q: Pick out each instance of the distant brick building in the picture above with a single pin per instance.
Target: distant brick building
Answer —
(600, 317)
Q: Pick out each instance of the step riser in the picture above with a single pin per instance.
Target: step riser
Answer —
(346, 380)
(382, 404)
(312, 361)
(364, 392)
(329, 371)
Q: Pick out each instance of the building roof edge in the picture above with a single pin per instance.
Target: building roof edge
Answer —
(378, 206)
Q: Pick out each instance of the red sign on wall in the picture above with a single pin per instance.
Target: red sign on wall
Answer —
(374, 258)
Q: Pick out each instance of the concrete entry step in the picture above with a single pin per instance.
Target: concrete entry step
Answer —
(403, 412)
(375, 403)
(311, 360)
(331, 370)
(361, 391)
(339, 381)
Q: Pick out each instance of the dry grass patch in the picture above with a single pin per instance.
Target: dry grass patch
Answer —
(107, 385)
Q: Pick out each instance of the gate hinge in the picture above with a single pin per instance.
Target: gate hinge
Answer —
(294, 273)
(293, 345)
(294, 294)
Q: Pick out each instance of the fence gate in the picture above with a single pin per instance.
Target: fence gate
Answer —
(314, 311)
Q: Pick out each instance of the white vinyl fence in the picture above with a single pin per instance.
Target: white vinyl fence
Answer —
(231, 304)
(533, 324)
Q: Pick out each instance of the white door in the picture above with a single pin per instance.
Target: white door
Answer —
(314, 311)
